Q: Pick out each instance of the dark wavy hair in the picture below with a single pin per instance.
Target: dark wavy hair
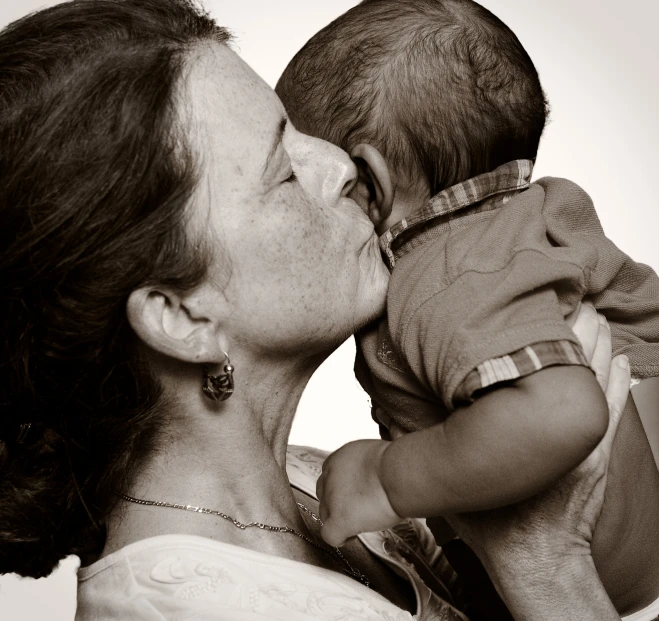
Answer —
(442, 87)
(95, 179)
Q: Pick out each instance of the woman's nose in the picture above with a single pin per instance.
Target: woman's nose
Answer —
(341, 175)
(332, 174)
(350, 180)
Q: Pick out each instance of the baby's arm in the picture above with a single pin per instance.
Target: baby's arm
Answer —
(509, 444)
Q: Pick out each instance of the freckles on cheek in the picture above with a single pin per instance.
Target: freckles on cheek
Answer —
(302, 252)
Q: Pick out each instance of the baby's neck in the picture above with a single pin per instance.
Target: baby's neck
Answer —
(407, 202)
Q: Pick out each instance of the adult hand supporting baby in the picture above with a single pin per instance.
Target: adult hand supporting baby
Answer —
(537, 550)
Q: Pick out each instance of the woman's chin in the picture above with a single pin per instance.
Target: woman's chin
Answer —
(374, 280)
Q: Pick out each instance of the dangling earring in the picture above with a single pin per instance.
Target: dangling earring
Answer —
(219, 387)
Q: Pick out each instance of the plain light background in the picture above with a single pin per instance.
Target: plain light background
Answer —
(597, 61)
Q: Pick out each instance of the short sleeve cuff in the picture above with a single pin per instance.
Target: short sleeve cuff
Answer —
(520, 363)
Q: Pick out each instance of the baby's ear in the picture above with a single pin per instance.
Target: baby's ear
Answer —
(374, 190)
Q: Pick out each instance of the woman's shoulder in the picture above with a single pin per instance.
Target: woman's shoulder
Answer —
(186, 576)
(189, 577)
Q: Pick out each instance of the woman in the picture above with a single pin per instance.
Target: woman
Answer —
(176, 262)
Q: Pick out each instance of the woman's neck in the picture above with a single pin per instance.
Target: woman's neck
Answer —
(230, 458)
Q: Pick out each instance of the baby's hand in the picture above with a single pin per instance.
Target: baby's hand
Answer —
(352, 498)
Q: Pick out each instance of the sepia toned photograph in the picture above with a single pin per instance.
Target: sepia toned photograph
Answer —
(335, 311)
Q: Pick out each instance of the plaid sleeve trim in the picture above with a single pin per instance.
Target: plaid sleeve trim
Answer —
(518, 364)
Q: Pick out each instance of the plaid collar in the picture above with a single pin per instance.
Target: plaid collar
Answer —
(502, 183)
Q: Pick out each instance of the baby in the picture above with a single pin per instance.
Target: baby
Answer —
(442, 110)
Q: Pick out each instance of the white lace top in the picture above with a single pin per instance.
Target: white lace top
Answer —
(186, 578)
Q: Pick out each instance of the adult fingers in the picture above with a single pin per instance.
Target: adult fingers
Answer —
(617, 393)
(601, 360)
(586, 327)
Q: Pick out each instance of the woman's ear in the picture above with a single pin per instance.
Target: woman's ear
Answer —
(374, 190)
(180, 327)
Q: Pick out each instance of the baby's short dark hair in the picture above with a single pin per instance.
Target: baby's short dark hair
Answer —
(441, 87)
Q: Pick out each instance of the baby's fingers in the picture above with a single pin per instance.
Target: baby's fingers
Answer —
(332, 530)
(320, 487)
(333, 534)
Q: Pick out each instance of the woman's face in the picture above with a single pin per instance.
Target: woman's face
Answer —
(298, 263)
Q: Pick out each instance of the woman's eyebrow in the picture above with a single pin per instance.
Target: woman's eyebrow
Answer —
(281, 128)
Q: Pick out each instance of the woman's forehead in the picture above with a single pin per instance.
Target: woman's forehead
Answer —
(229, 102)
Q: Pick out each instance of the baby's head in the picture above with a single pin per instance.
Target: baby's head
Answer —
(434, 91)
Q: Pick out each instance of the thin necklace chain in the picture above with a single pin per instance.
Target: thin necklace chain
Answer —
(333, 553)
